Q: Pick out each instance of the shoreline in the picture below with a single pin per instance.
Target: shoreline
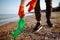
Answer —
(6, 21)
(16, 18)
(5, 30)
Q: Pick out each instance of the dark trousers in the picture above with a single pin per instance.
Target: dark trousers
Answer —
(48, 10)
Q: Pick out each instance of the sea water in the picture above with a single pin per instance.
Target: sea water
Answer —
(6, 18)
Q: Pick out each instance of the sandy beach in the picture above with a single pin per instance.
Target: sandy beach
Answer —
(45, 33)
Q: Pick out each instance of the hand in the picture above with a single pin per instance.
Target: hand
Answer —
(21, 12)
(32, 4)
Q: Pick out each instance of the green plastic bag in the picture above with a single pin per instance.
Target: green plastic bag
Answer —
(21, 24)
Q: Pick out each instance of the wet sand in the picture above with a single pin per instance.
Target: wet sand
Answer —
(45, 33)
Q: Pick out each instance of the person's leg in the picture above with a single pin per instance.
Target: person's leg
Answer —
(37, 14)
(38, 11)
(48, 11)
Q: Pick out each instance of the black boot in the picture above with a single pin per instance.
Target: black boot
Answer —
(36, 27)
(49, 23)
